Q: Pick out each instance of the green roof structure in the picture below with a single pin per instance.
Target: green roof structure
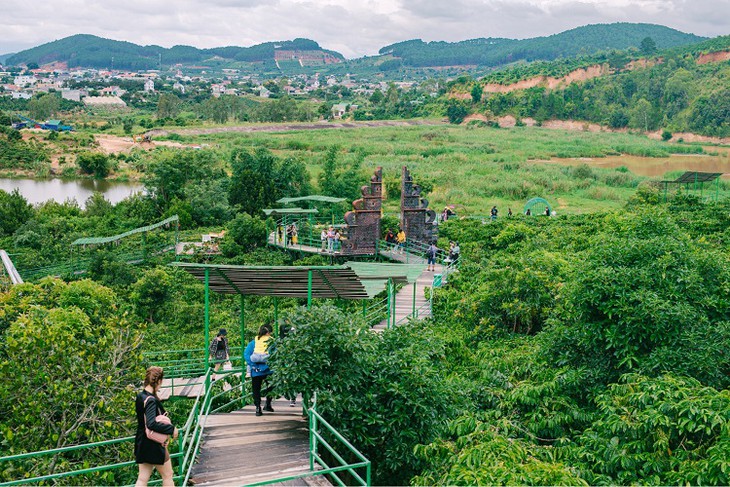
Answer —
(289, 211)
(354, 280)
(315, 197)
(114, 238)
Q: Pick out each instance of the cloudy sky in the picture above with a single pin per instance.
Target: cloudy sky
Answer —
(353, 27)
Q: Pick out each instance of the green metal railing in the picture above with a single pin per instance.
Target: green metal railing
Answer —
(318, 465)
(308, 232)
(190, 440)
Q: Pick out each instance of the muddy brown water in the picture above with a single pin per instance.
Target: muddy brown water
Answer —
(59, 190)
(657, 167)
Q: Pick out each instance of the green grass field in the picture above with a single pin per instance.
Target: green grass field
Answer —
(475, 168)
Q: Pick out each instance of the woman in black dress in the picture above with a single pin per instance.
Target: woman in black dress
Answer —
(149, 454)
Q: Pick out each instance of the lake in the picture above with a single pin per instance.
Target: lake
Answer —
(40, 190)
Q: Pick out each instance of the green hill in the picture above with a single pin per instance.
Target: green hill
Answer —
(85, 50)
(674, 89)
(584, 40)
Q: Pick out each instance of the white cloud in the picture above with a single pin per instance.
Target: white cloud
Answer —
(353, 27)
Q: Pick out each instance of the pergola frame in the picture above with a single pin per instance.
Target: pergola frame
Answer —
(361, 281)
(692, 180)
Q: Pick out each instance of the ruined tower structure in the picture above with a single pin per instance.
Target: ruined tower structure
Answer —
(415, 217)
(363, 222)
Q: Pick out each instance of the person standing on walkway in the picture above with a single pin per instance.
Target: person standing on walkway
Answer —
(401, 240)
(509, 212)
(494, 212)
(260, 371)
(323, 238)
(431, 256)
(150, 455)
(331, 239)
(218, 350)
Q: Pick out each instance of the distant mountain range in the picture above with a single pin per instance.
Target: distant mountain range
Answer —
(84, 50)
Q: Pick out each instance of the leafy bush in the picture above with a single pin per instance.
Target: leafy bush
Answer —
(402, 396)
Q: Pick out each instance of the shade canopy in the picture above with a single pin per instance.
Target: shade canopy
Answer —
(354, 280)
(315, 197)
(289, 211)
(114, 238)
(697, 177)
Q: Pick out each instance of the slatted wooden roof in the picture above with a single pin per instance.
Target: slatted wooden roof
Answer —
(342, 282)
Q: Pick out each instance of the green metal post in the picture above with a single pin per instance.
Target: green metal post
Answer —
(390, 302)
(243, 334)
(413, 314)
(312, 437)
(309, 289)
(207, 327)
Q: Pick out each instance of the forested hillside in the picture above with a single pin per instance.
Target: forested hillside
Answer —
(680, 90)
(84, 50)
(495, 51)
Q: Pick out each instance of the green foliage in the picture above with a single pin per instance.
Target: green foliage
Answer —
(243, 234)
(667, 430)
(497, 51)
(14, 212)
(150, 293)
(94, 163)
(477, 453)
(171, 171)
(402, 397)
(456, 111)
(44, 106)
(78, 392)
(647, 299)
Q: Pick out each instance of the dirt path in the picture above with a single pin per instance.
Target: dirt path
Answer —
(294, 126)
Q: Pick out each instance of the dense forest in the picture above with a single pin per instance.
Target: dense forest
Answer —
(582, 350)
(495, 52)
(83, 50)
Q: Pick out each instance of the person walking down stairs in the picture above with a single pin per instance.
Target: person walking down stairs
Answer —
(256, 356)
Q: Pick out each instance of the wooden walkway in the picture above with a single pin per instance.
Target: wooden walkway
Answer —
(241, 448)
(404, 297)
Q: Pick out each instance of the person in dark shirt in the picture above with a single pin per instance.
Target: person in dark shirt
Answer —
(150, 455)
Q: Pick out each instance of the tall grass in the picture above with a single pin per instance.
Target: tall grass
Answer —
(479, 167)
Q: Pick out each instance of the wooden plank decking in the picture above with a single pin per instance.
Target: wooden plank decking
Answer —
(241, 448)
(404, 297)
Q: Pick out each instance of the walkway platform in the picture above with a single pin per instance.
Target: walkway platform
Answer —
(240, 448)
(300, 247)
(404, 297)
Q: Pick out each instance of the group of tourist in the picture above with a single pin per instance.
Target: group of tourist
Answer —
(330, 240)
(290, 232)
(154, 428)
(398, 240)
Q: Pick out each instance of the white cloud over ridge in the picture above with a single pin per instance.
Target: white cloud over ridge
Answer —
(352, 27)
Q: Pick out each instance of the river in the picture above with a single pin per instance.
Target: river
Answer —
(40, 190)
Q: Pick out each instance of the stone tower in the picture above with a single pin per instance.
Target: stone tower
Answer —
(415, 217)
(363, 222)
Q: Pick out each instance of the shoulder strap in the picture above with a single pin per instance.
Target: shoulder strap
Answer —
(149, 397)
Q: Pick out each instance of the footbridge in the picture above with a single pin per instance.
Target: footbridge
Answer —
(222, 442)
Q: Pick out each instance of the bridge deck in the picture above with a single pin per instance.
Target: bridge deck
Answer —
(240, 448)
(404, 297)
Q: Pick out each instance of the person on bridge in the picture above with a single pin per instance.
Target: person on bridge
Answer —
(331, 240)
(389, 236)
(323, 238)
(431, 256)
(260, 371)
(150, 455)
(494, 212)
(218, 350)
(401, 240)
